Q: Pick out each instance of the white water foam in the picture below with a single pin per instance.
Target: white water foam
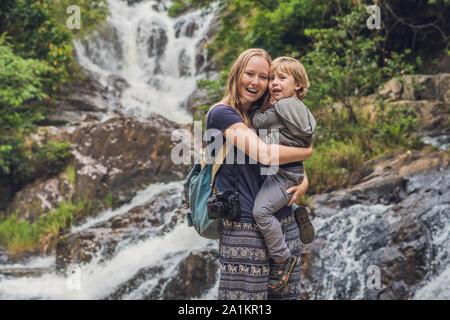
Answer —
(96, 280)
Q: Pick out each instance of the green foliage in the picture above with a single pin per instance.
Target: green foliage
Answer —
(215, 90)
(394, 125)
(27, 164)
(18, 234)
(277, 26)
(36, 63)
(331, 163)
(70, 172)
(181, 6)
(341, 148)
(345, 62)
(22, 80)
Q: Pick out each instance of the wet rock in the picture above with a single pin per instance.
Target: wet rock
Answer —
(141, 278)
(185, 28)
(118, 156)
(405, 240)
(184, 62)
(4, 259)
(157, 42)
(85, 100)
(194, 275)
(386, 182)
(105, 39)
(196, 98)
(23, 272)
(116, 84)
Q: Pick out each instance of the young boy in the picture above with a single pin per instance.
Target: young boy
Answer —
(295, 125)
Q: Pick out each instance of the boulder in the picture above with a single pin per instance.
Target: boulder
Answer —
(392, 90)
(433, 87)
(85, 100)
(185, 28)
(191, 277)
(197, 273)
(196, 98)
(384, 180)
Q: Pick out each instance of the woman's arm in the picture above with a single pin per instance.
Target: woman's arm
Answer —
(269, 154)
(299, 190)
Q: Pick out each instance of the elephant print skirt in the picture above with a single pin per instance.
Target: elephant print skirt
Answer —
(245, 263)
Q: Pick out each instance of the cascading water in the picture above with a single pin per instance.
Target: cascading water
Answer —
(159, 57)
(97, 279)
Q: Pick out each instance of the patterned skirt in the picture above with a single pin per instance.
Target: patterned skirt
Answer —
(245, 262)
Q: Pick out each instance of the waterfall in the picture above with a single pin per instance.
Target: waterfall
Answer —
(97, 279)
(159, 58)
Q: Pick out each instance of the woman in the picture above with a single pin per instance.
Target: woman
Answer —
(245, 264)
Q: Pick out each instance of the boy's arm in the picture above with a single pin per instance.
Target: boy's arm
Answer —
(296, 116)
(264, 119)
(269, 154)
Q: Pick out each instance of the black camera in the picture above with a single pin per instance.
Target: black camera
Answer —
(224, 205)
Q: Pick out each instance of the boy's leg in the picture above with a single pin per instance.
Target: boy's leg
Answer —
(271, 198)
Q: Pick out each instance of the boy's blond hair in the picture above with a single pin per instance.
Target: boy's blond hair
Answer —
(296, 70)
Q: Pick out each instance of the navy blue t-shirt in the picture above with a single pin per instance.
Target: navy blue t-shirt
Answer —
(249, 178)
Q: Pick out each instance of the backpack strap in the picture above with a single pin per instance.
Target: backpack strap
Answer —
(220, 158)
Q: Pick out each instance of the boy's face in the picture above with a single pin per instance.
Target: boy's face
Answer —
(282, 85)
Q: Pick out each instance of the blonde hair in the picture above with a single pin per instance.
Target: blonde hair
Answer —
(233, 96)
(296, 70)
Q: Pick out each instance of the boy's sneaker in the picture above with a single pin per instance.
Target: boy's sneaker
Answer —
(280, 273)
(307, 232)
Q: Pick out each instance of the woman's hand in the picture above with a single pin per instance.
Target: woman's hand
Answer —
(299, 190)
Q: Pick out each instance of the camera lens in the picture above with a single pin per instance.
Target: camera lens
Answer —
(215, 210)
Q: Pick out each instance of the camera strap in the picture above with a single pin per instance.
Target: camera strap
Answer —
(219, 159)
(236, 180)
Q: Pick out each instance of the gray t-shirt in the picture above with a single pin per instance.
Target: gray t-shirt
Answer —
(293, 120)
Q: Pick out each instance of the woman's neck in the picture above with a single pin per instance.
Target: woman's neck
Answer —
(246, 106)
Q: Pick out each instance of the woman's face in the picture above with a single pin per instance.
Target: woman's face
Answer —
(254, 80)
